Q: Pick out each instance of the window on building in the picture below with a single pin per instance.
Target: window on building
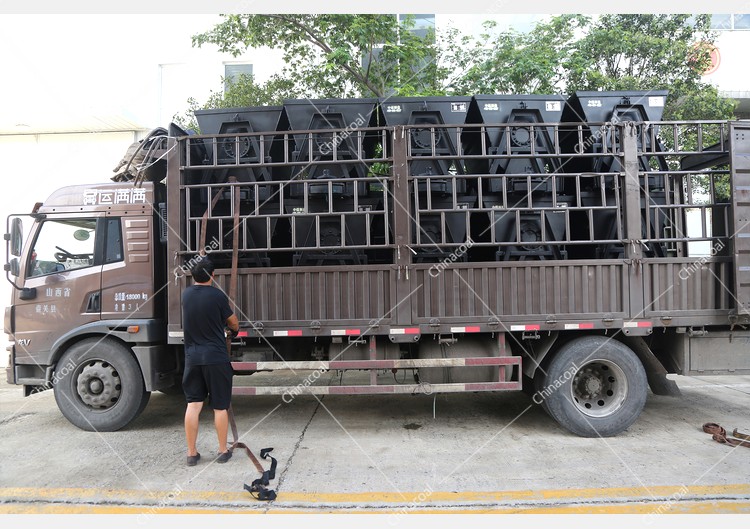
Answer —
(721, 21)
(422, 24)
(366, 59)
(730, 22)
(233, 72)
(741, 21)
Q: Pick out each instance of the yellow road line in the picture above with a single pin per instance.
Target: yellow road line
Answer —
(686, 507)
(83, 495)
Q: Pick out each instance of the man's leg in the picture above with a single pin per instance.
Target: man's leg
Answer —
(220, 398)
(221, 421)
(192, 415)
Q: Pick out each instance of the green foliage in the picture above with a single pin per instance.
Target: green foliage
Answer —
(649, 52)
(513, 62)
(335, 55)
(344, 55)
(242, 92)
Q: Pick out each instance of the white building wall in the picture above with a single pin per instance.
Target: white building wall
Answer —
(732, 77)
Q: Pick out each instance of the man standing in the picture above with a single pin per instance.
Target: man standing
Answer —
(208, 372)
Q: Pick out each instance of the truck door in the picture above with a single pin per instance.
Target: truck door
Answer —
(127, 269)
(63, 263)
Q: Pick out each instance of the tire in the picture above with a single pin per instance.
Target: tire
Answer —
(98, 385)
(596, 387)
(540, 382)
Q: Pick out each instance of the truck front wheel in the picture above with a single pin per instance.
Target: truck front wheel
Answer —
(595, 386)
(99, 386)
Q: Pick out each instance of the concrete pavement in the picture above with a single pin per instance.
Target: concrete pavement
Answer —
(386, 454)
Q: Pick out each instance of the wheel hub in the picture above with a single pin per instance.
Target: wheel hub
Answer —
(599, 388)
(592, 385)
(99, 385)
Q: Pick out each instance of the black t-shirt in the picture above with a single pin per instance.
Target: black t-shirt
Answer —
(205, 310)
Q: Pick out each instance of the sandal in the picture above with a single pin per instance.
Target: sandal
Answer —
(193, 460)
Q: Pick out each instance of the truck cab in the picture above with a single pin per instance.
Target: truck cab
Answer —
(87, 313)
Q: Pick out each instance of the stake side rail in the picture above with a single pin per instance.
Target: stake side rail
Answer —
(440, 227)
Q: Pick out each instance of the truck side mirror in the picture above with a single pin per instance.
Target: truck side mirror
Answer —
(13, 267)
(16, 237)
(15, 270)
(27, 293)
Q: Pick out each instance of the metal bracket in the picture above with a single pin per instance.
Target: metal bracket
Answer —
(448, 339)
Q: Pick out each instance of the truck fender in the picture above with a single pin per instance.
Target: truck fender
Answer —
(655, 371)
(535, 353)
(149, 331)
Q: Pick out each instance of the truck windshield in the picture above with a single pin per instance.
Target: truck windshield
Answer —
(62, 245)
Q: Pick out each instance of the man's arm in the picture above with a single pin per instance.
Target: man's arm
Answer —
(233, 323)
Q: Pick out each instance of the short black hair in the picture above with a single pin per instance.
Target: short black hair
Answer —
(202, 269)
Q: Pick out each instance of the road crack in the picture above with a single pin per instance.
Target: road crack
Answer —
(287, 466)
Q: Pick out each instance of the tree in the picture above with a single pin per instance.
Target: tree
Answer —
(649, 52)
(334, 55)
(612, 52)
(510, 61)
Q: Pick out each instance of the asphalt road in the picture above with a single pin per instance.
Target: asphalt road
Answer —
(386, 454)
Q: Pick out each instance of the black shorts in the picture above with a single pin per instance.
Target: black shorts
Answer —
(213, 381)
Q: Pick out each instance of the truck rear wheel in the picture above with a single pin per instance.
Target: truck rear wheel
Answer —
(98, 385)
(595, 386)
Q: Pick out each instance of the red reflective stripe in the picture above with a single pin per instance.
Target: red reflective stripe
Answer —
(245, 366)
(585, 325)
(288, 333)
(466, 329)
(631, 324)
(533, 327)
(408, 330)
(491, 386)
(352, 332)
(493, 361)
(243, 390)
(242, 334)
